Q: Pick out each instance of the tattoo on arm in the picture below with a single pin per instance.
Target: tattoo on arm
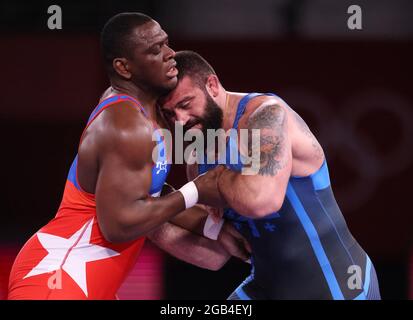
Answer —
(271, 120)
(302, 125)
(318, 151)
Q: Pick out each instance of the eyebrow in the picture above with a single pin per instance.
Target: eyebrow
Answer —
(183, 100)
(177, 105)
(164, 39)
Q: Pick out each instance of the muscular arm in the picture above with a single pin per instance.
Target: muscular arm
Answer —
(260, 194)
(125, 210)
(189, 247)
(194, 218)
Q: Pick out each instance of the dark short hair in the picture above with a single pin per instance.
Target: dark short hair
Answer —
(190, 63)
(116, 39)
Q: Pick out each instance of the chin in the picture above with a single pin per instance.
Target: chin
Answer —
(171, 83)
(167, 87)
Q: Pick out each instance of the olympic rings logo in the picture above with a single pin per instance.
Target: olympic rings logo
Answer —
(337, 131)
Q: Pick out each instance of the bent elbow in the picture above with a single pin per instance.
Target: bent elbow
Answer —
(215, 267)
(215, 264)
(113, 236)
(117, 232)
(218, 265)
(262, 208)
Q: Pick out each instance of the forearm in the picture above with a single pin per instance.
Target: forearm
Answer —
(140, 217)
(244, 194)
(192, 219)
(189, 247)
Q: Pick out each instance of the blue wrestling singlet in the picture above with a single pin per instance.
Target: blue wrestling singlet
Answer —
(305, 250)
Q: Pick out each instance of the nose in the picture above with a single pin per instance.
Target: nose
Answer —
(170, 53)
(182, 116)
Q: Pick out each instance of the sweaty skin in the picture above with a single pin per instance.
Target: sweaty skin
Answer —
(111, 197)
(287, 147)
(115, 153)
(115, 156)
(285, 207)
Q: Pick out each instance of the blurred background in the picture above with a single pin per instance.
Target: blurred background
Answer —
(353, 87)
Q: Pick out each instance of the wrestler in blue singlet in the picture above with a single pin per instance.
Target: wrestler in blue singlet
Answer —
(305, 250)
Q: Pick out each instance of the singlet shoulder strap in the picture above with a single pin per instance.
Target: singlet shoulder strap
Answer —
(107, 103)
(112, 100)
(243, 103)
(241, 106)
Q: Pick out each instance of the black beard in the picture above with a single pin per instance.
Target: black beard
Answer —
(213, 115)
(211, 119)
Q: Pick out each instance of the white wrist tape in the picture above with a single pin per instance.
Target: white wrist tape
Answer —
(212, 227)
(190, 193)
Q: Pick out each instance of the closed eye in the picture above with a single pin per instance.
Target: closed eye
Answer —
(168, 114)
(156, 49)
(185, 106)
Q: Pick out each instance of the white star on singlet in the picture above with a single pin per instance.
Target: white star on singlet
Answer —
(71, 254)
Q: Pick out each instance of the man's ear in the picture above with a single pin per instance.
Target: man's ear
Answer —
(212, 85)
(121, 67)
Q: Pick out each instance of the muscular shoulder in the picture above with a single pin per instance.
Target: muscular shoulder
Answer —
(264, 112)
(126, 133)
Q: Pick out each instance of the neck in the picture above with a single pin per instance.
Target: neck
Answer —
(146, 97)
(230, 104)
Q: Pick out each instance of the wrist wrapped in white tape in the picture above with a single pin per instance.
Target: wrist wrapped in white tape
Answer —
(212, 227)
(190, 194)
